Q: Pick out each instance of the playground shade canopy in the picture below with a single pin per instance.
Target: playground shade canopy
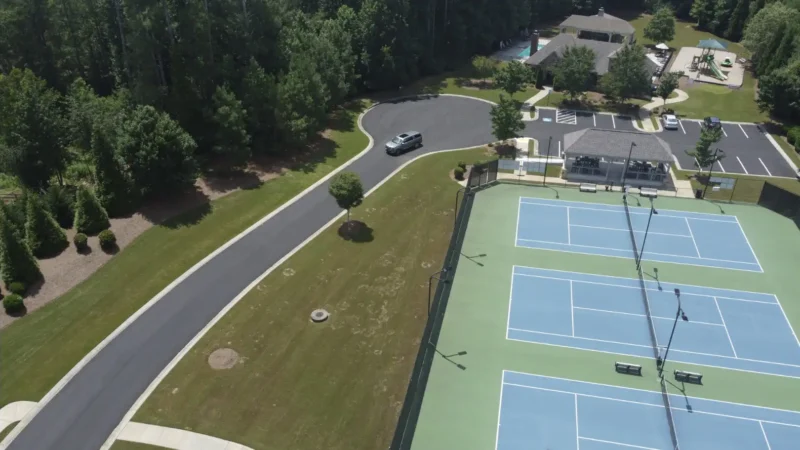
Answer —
(712, 44)
(662, 46)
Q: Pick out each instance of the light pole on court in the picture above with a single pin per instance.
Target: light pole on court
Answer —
(627, 162)
(646, 231)
(679, 313)
(547, 160)
(430, 284)
(711, 169)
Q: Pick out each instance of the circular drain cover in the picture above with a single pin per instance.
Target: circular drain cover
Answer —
(319, 315)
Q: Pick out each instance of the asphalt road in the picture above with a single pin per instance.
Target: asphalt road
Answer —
(83, 414)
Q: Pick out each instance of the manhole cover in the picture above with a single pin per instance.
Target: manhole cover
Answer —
(223, 358)
(319, 315)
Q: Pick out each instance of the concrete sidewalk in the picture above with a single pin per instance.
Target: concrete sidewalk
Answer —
(528, 104)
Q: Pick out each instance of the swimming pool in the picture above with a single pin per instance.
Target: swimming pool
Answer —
(527, 51)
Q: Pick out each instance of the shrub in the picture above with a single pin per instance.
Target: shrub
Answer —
(107, 239)
(17, 287)
(81, 242)
(459, 173)
(462, 165)
(61, 203)
(42, 233)
(13, 303)
(16, 260)
(90, 217)
(793, 136)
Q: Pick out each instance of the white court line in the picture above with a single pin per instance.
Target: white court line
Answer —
(613, 122)
(741, 164)
(559, 148)
(594, 118)
(642, 315)
(571, 308)
(620, 208)
(510, 300)
(622, 211)
(500, 410)
(720, 166)
(616, 443)
(723, 131)
(577, 433)
(519, 213)
(688, 352)
(628, 250)
(627, 231)
(654, 392)
(752, 252)
(745, 133)
(765, 167)
(766, 439)
(726, 327)
(689, 226)
(775, 303)
(569, 235)
(681, 124)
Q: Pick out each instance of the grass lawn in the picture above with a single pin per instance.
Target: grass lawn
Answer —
(7, 430)
(45, 345)
(125, 445)
(340, 384)
(747, 188)
(736, 105)
(787, 148)
(686, 35)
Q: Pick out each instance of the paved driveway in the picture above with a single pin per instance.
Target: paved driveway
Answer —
(747, 149)
(556, 123)
(85, 412)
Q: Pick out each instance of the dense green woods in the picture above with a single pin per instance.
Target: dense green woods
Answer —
(135, 97)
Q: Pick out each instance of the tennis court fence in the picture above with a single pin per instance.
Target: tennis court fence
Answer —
(483, 174)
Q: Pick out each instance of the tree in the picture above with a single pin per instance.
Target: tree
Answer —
(574, 71)
(738, 20)
(90, 217)
(763, 27)
(158, 153)
(512, 77)
(627, 75)
(789, 45)
(483, 67)
(60, 204)
(346, 188)
(702, 152)
(114, 186)
(669, 82)
(662, 26)
(42, 233)
(703, 12)
(231, 139)
(260, 99)
(763, 66)
(506, 119)
(16, 260)
(302, 98)
(779, 92)
(31, 146)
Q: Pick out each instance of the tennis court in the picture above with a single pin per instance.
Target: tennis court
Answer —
(723, 328)
(538, 412)
(711, 240)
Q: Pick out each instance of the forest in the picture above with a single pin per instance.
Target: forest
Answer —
(137, 97)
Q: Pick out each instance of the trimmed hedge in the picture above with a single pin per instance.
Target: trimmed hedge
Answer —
(793, 136)
(18, 288)
(81, 242)
(13, 303)
(43, 235)
(107, 239)
(462, 165)
(90, 217)
(458, 172)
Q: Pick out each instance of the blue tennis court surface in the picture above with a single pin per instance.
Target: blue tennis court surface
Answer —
(542, 413)
(712, 240)
(725, 328)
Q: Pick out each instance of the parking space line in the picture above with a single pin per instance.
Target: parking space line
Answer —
(559, 149)
(613, 122)
(594, 118)
(681, 124)
(745, 133)
(720, 166)
(741, 164)
(765, 167)
(723, 131)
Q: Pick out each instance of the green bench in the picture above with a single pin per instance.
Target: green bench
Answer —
(688, 377)
(628, 369)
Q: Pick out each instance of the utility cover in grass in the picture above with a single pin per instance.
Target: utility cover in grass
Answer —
(223, 358)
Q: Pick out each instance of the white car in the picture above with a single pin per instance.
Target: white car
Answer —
(670, 122)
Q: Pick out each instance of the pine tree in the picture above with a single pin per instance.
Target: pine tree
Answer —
(785, 49)
(42, 233)
(16, 260)
(231, 140)
(738, 19)
(115, 189)
(90, 217)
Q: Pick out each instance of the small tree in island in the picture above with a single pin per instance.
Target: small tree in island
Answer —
(702, 153)
(669, 82)
(506, 119)
(348, 191)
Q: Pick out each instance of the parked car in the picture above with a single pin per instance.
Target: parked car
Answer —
(404, 142)
(670, 122)
(711, 122)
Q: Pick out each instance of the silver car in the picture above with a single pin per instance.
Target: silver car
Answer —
(670, 122)
(404, 142)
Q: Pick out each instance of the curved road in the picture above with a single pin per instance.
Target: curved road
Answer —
(85, 412)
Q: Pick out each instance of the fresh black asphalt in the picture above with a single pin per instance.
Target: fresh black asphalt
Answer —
(91, 405)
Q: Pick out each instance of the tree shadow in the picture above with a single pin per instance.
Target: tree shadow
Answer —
(22, 312)
(85, 250)
(225, 181)
(111, 250)
(193, 206)
(356, 231)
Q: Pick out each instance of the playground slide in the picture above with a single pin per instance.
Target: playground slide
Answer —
(717, 72)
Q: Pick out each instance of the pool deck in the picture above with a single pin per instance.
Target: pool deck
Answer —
(512, 53)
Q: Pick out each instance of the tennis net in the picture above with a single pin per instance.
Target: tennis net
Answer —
(668, 408)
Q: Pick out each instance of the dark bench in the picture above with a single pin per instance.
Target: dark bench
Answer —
(688, 377)
(628, 369)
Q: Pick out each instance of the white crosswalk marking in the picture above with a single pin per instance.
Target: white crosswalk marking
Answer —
(566, 116)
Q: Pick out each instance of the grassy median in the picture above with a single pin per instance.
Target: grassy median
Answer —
(339, 384)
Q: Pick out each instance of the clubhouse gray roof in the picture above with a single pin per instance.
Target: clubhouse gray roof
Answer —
(616, 144)
(554, 50)
(604, 24)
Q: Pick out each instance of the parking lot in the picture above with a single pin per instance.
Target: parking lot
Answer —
(746, 147)
(585, 119)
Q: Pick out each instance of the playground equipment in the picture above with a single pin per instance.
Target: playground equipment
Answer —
(709, 60)
(706, 58)
(727, 63)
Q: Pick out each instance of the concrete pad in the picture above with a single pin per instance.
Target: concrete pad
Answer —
(683, 60)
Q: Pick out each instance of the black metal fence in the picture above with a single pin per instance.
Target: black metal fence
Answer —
(781, 201)
(482, 174)
(412, 405)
